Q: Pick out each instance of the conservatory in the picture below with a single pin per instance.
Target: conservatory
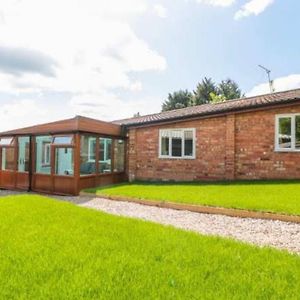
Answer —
(63, 157)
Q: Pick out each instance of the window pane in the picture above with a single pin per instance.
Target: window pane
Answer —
(64, 161)
(23, 156)
(188, 143)
(87, 155)
(119, 157)
(165, 146)
(8, 159)
(63, 140)
(105, 150)
(297, 132)
(284, 134)
(176, 147)
(43, 154)
(6, 141)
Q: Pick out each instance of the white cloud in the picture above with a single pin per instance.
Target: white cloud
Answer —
(160, 10)
(105, 106)
(108, 106)
(19, 113)
(280, 84)
(253, 7)
(92, 42)
(222, 3)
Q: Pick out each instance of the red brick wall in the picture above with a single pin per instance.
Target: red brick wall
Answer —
(255, 157)
(230, 147)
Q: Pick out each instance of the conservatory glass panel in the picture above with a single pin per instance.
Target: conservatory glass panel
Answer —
(43, 154)
(63, 140)
(87, 155)
(105, 153)
(8, 159)
(64, 161)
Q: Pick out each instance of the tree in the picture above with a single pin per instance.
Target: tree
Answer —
(229, 89)
(217, 98)
(202, 94)
(179, 99)
(206, 92)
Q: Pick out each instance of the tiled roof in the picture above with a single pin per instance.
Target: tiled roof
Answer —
(214, 109)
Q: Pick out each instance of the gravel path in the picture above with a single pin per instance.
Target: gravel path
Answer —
(277, 234)
(9, 193)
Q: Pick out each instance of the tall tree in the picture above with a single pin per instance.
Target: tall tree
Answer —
(206, 92)
(229, 89)
(202, 94)
(179, 99)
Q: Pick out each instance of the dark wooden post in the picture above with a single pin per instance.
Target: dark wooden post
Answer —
(77, 163)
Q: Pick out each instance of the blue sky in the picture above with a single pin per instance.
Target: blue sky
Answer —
(201, 40)
(111, 60)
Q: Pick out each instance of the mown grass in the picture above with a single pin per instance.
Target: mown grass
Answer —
(270, 196)
(56, 250)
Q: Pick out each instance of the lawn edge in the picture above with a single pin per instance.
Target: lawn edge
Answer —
(231, 212)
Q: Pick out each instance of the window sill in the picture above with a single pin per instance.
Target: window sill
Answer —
(178, 158)
(287, 150)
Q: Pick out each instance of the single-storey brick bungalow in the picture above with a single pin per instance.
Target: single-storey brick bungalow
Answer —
(250, 138)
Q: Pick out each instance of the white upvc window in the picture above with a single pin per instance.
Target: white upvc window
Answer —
(105, 148)
(177, 143)
(287, 132)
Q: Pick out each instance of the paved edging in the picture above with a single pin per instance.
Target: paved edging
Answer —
(231, 212)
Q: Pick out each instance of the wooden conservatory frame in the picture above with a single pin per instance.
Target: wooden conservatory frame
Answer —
(74, 181)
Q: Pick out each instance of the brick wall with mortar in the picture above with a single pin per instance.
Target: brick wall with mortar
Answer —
(255, 157)
(235, 146)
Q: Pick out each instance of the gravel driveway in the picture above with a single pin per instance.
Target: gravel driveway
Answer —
(277, 234)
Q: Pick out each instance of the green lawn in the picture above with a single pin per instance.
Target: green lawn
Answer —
(271, 196)
(56, 250)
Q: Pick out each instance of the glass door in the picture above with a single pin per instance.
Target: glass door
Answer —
(22, 175)
(63, 165)
(64, 161)
(23, 154)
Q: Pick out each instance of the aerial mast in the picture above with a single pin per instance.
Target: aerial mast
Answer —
(269, 78)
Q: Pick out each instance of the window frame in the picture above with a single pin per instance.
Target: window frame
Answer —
(293, 132)
(68, 145)
(90, 154)
(46, 162)
(11, 144)
(183, 144)
(105, 152)
(1, 156)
